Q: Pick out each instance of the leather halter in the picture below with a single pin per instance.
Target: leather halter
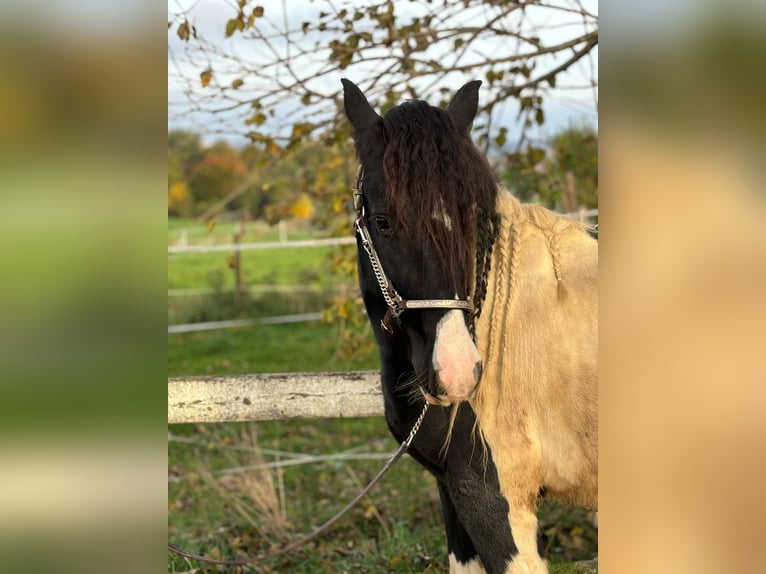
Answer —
(396, 303)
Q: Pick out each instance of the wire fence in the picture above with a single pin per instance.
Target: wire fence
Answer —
(581, 215)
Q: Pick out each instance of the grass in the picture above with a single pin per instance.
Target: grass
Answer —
(260, 349)
(237, 489)
(288, 266)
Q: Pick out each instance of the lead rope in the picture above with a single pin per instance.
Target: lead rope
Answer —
(292, 546)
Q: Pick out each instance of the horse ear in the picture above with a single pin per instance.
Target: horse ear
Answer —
(463, 107)
(358, 109)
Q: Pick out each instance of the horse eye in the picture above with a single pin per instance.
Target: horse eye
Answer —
(383, 225)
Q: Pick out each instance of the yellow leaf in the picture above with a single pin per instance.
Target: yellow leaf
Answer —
(177, 192)
(303, 208)
(205, 77)
(370, 511)
(211, 225)
(336, 162)
(183, 31)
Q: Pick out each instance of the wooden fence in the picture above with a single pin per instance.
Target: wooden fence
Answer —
(274, 396)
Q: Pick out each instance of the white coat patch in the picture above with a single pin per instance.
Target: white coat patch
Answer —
(473, 566)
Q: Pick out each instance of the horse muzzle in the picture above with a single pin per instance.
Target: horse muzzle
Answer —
(456, 361)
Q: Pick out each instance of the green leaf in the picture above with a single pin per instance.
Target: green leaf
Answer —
(231, 27)
(237, 83)
(258, 11)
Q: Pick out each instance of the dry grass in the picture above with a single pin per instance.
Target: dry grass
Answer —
(257, 495)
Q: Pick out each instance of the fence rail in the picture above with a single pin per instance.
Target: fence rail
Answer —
(303, 243)
(274, 396)
(216, 325)
(261, 288)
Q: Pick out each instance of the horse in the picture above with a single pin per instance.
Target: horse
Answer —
(483, 306)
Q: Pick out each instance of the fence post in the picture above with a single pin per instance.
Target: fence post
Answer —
(236, 264)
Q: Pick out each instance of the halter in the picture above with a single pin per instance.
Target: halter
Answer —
(396, 304)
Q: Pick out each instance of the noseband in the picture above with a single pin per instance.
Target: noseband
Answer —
(396, 304)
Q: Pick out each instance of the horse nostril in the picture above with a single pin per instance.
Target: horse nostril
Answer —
(477, 371)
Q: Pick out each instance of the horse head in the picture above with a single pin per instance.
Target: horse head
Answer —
(426, 205)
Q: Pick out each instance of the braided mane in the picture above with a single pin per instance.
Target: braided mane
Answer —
(432, 169)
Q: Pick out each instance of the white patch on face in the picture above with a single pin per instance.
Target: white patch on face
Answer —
(473, 566)
(455, 356)
(441, 215)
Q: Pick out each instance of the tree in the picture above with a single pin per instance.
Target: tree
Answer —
(216, 175)
(545, 176)
(184, 150)
(286, 87)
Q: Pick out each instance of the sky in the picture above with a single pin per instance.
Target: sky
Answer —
(563, 107)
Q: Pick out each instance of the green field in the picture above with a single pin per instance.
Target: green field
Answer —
(238, 489)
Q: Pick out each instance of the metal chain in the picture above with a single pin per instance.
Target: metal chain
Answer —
(416, 426)
(377, 269)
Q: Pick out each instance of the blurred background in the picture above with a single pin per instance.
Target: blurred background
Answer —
(88, 463)
(82, 353)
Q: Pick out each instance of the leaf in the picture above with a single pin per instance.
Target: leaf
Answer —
(211, 225)
(183, 31)
(237, 83)
(258, 11)
(256, 119)
(302, 128)
(231, 27)
(501, 137)
(205, 77)
(540, 116)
